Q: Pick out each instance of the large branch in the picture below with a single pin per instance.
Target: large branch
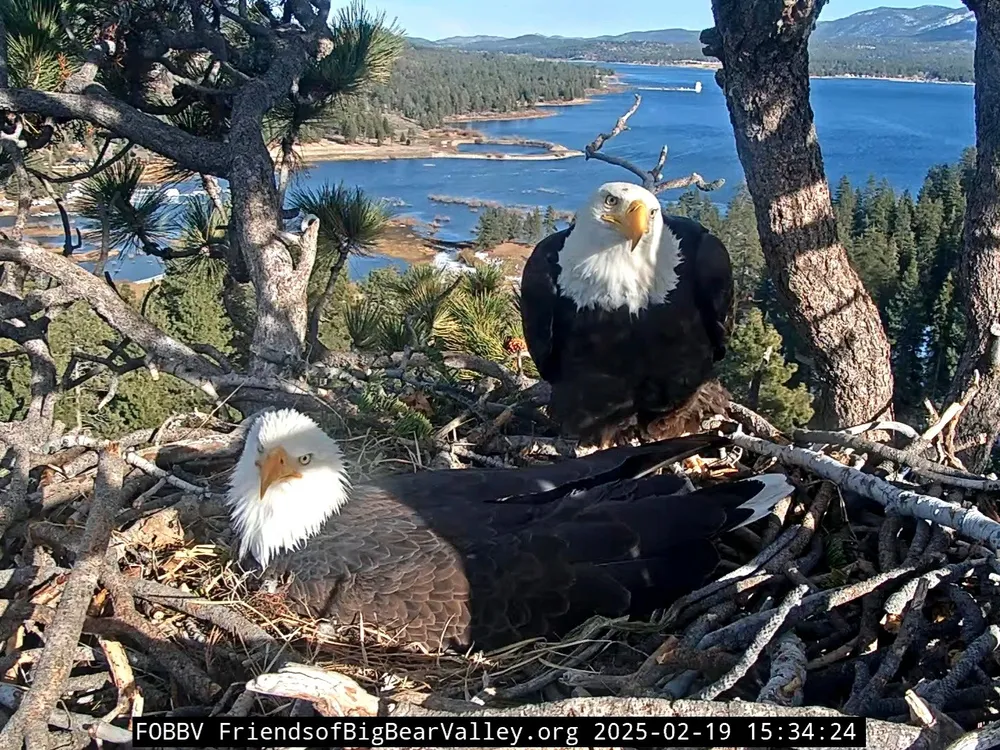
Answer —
(170, 354)
(966, 521)
(189, 151)
(337, 695)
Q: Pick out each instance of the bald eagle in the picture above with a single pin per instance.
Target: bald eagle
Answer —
(480, 557)
(626, 314)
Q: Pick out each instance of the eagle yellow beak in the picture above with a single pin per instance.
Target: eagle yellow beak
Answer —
(633, 223)
(274, 467)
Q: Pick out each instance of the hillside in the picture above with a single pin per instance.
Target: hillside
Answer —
(430, 84)
(932, 41)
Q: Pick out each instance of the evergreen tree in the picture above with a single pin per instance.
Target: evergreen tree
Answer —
(533, 226)
(350, 129)
(739, 234)
(549, 221)
(906, 328)
(755, 351)
(946, 341)
(844, 205)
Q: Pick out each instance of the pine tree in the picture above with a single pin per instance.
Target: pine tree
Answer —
(755, 351)
(739, 234)
(533, 226)
(906, 329)
(350, 129)
(549, 221)
(946, 341)
(845, 203)
(489, 229)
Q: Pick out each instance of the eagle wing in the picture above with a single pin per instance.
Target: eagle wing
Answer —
(708, 260)
(380, 560)
(545, 482)
(493, 573)
(540, 303)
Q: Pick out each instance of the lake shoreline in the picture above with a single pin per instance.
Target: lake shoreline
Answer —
(709, 65)
(329, 151)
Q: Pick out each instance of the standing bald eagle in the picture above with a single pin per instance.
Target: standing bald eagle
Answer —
(625, 314)
(484, 557)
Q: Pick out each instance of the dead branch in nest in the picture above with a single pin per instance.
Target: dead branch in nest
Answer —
(53, 669)
(929, 470)
(650, 178)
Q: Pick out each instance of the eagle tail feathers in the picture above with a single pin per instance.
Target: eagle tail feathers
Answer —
(769, 490)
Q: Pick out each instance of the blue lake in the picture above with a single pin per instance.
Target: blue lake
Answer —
(498, 148)
(866, 128)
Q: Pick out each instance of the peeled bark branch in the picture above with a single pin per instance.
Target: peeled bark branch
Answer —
(968, 522)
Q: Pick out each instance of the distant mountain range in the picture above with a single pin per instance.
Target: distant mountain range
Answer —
(928, 23)
(931, 41)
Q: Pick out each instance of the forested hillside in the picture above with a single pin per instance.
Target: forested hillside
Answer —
(428, 85)
(945, 60)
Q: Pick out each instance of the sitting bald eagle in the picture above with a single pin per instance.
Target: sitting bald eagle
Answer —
(485, 557)
(625, 314)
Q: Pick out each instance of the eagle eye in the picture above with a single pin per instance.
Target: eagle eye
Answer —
(260, 448)
(304, 460)
(611, 200)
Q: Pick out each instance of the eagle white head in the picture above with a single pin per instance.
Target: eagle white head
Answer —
(619, 252)
(288, 481)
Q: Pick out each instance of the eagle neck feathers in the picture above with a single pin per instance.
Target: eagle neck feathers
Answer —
(618, 276)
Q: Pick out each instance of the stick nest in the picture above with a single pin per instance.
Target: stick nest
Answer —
(872, 591)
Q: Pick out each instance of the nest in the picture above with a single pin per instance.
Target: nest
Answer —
(872, 591)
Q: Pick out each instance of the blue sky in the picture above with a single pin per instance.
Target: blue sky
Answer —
(435, 19)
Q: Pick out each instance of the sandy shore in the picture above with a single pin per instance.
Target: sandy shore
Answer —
(440, 145)
(403, 240)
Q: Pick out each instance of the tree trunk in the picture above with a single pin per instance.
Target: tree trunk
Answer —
(102, 260)
(316, 348)
(285, 166)
(765, 78)
(279, 283)
(979, 267)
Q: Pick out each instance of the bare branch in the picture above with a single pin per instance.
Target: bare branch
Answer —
(969, 522)
(170, 354)
(650, 179)
(342, 696)
(694, 179)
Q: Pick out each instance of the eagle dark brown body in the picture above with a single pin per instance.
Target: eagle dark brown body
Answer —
(656, 366)
(456, 558)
